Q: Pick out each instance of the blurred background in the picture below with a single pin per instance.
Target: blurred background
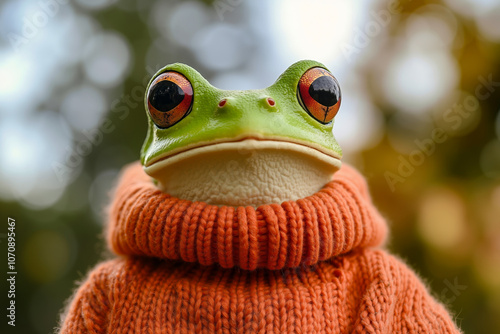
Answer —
(419, 117)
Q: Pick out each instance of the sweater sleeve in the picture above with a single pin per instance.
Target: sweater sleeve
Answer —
(397, 301)
(420, 312)
(89, 308)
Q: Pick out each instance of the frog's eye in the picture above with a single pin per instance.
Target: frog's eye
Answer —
(170, 98)
(319, 94)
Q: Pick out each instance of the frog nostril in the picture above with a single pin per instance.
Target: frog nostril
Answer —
(222, 103)
(271, 102)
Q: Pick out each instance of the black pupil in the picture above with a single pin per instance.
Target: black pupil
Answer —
(166, 95)
(325, 91)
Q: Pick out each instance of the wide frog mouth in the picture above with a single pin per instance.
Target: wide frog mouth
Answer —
(244, 146)
(245, 172)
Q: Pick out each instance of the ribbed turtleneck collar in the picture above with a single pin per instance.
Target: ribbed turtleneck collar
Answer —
(340, 217)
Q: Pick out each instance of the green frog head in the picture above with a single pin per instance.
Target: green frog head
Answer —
(232, 147)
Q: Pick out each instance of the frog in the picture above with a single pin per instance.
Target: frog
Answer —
(240, 217)
(242, 147)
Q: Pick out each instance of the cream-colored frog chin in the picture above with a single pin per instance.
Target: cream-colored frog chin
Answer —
(247, 172)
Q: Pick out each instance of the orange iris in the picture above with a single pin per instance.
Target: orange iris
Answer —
(319, 94)
(170, 98)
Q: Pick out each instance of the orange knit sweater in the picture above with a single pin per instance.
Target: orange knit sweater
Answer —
(305, 266)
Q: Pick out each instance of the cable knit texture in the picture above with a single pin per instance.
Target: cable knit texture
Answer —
(306, 266)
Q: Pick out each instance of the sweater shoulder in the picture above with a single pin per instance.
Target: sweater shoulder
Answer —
(381, 267)
(381, 263)
(406, 296)
(119, 271)
(106, 269)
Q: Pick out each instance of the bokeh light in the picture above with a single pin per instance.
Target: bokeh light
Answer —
(231, 44)
(107, 59)
(417, 80)
(194, 12)
(48, 255)
(83, 107)
(96, 4)
(490, 159)
(313, 29)
(99, 192)
(442, 219)
(359, 124)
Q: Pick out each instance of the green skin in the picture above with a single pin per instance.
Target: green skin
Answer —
(245, 115)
